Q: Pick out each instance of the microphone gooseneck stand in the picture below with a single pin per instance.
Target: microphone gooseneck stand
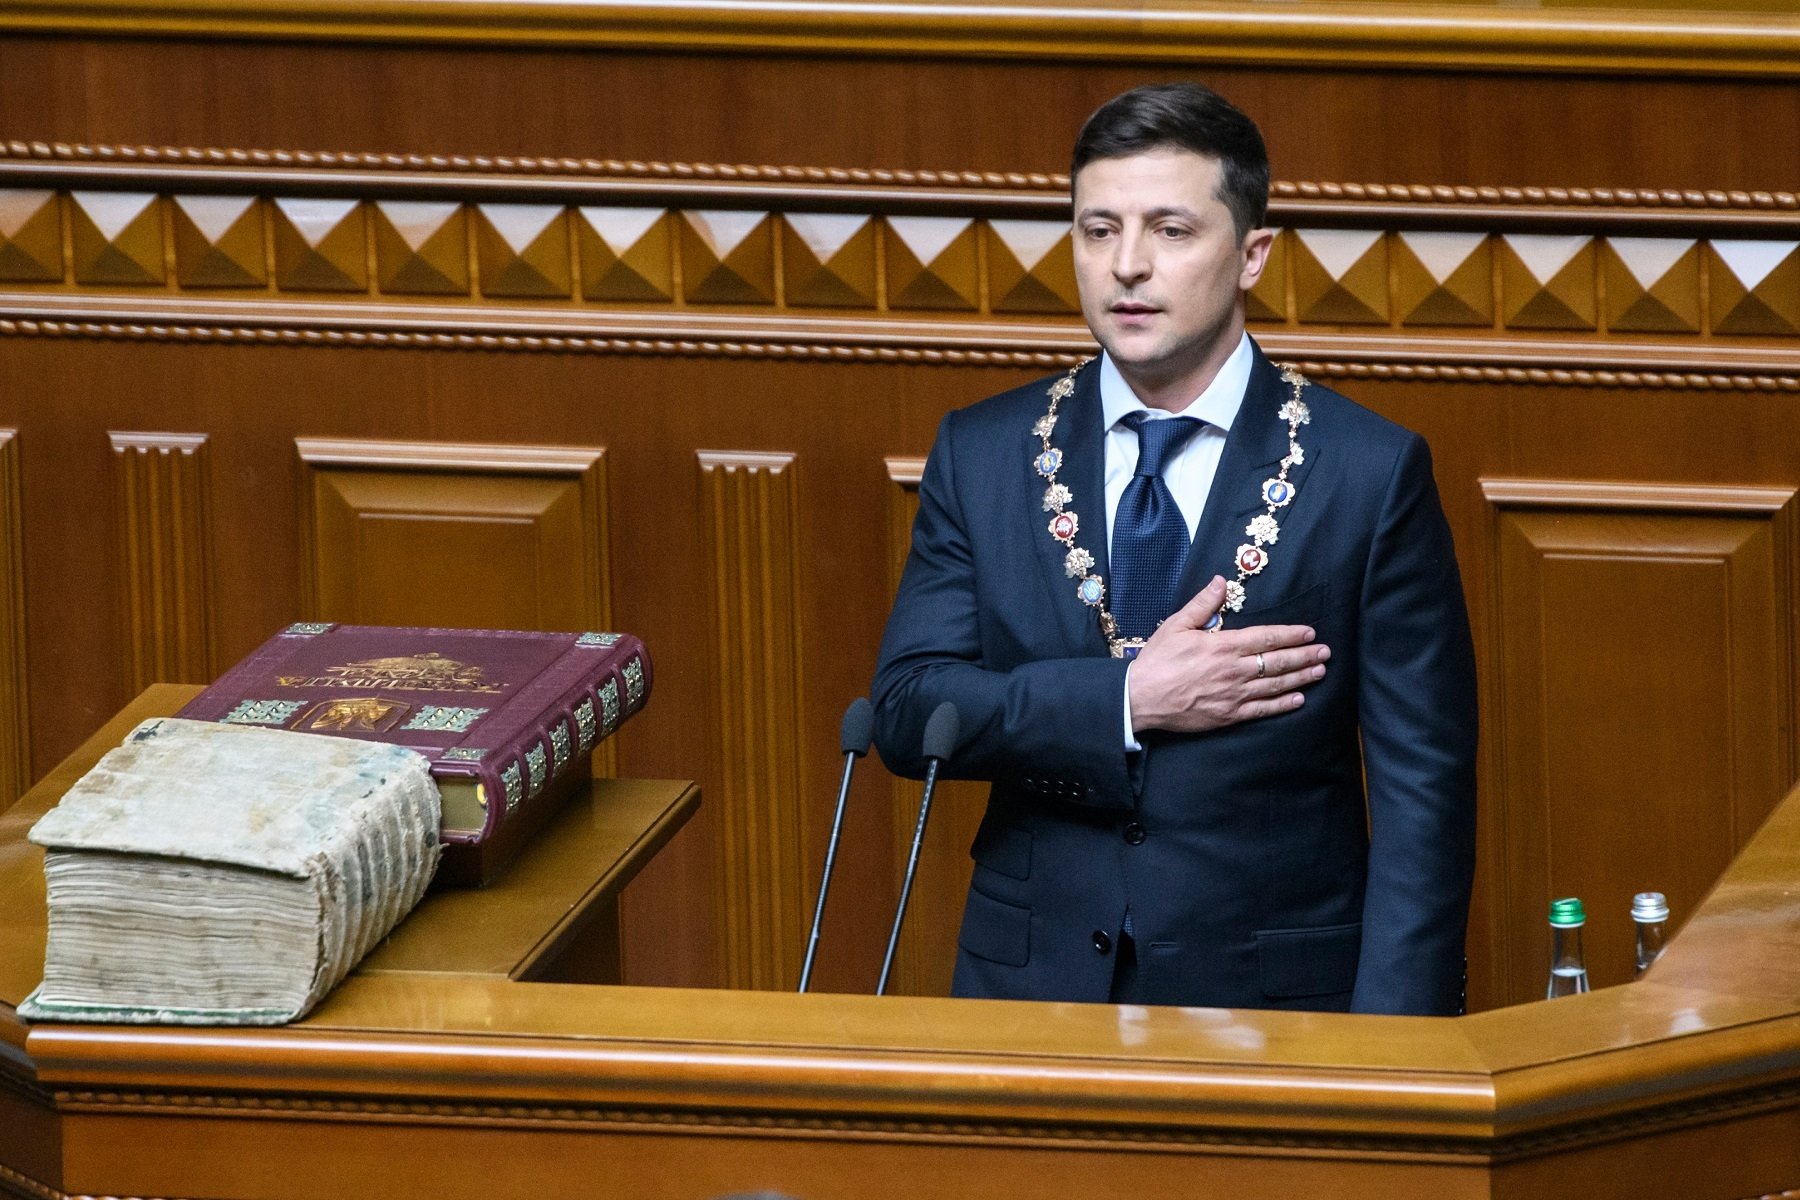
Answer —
(941, 732)
(853, 735)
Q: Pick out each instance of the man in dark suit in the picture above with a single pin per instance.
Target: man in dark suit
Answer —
(1179, 647)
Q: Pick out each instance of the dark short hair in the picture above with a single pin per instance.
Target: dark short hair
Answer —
(1184, 116)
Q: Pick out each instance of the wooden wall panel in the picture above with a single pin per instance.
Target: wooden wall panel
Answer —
(163, 515)
(15, 724)
(927, 954)
(473, 536)
(750, 531)
(1630, 619)
(267, 241)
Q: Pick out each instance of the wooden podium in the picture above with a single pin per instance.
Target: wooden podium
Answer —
(456, 1063)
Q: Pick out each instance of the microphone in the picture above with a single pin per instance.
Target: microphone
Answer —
(853, 735)
(941, 732)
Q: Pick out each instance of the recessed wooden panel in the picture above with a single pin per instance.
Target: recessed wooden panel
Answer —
(750, 527)
(162, 511)
(468, 536)
(420, 533)
(927, 955)
(15, 740)
(1643, 638)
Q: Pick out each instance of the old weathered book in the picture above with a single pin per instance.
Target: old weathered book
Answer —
(508, 719)
(212, 874)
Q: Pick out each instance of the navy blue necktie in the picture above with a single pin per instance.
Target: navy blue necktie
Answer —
(1150, 537)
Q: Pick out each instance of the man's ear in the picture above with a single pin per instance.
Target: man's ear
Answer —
(1256, 256)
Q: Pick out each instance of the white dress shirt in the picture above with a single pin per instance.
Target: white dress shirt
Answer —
(1189, 471)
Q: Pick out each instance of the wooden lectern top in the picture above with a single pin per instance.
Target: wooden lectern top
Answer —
(429, 1074)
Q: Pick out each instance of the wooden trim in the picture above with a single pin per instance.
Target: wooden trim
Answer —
(163, 516)
(479, 178)
(905, 795)
(15, 725)
(1721, 332)
(1426, 35)
(1711, 366)
(448, 456)
(1637, 497)
(750, 529)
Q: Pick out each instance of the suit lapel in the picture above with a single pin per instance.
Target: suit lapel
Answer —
(1081, 439)
(1253, 452)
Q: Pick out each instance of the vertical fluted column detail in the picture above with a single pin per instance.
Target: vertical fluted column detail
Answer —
(915, 948)
(750, 532)
(160, 497)
(15, 729)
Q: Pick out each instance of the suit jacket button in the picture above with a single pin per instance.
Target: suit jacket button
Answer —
(1134, 834)
(1102, 943)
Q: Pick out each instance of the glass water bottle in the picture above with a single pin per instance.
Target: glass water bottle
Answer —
(1568, 973)
(1649, 910)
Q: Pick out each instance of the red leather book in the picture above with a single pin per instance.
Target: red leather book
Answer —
(509, 719)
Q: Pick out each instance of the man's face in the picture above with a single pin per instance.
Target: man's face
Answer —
(1161, 269)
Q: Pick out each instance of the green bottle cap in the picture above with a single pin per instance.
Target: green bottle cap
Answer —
(1567, 913)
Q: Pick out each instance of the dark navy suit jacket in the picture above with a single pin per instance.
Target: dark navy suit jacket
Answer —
(1255, 871)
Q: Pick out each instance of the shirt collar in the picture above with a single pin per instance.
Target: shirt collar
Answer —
(1218, 405)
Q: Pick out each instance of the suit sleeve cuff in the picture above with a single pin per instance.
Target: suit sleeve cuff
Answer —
(1132, 745)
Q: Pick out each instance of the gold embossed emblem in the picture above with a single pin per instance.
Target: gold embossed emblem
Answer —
(634, 682)
(559, 745)
(537, 767)
(360, 714)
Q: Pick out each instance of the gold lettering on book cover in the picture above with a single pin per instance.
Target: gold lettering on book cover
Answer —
(427, 672)
(361, 714)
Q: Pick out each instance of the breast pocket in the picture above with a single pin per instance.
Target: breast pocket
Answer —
(1306, 607)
